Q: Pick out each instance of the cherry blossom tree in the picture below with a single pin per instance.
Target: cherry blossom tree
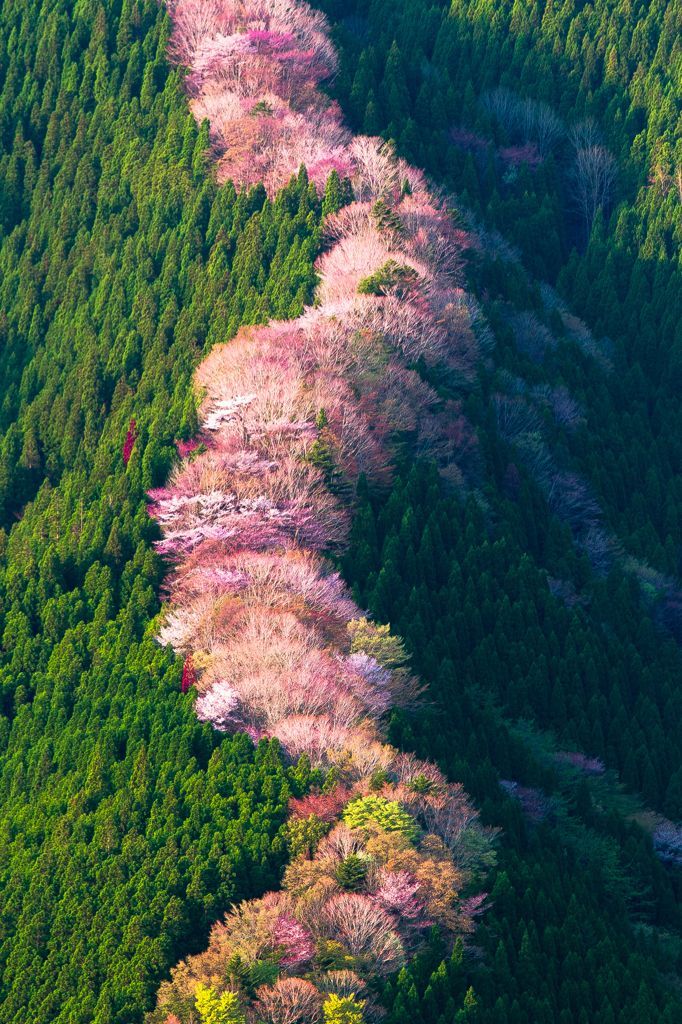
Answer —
(667, 838)
(356, 753)
(398, 894)
(296, 941)
(220, 706)
(536, 805)
(194, 21)
(376, 170)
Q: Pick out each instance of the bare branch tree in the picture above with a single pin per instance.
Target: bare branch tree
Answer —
(584, 134)
(592, 178)
(547, 127)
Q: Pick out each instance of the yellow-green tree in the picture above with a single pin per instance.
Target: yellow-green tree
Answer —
(343, 1010)
(218, 1009)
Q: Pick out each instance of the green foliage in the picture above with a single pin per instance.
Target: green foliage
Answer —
(246, 976)
(332, 956)
(392, 277)
(376, 640)
(218, 1009)
(351, 872)
(417, 71)
(378, 779)
(474, 606)
(127, 827)
(387, 814)
(385, 217)
(337, 193)
(343, 1010)
(303, 834)
(483, 628)
(421, 784)
(468, 1007)
(323, 451)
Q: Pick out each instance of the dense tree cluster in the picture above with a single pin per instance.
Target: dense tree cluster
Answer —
(292, 414)
(254, 72)
(568, 88)
(476, 609)
(573, 410)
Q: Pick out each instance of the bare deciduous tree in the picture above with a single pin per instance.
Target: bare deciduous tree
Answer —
(585, 133)
(527, 119)
(289, 1001)
(592, 179)
(593, 172)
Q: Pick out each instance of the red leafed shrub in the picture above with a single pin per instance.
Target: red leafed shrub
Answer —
(189, 676)
(527, 154)
(129, 443)
(185, 448)
(325, 806)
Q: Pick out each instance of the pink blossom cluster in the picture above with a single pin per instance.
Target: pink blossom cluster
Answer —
(274, 643)
(535, 804)
(528, 154)
(667, 839)
(291, 414)
(254, 68)
(589, 765)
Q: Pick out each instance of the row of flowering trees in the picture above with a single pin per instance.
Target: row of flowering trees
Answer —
(291, 414)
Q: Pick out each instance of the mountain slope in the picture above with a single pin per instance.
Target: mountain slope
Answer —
(129, 826)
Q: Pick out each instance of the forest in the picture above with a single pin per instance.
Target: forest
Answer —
(312, 323)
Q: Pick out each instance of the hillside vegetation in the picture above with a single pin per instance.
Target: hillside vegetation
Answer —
(494, 477)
